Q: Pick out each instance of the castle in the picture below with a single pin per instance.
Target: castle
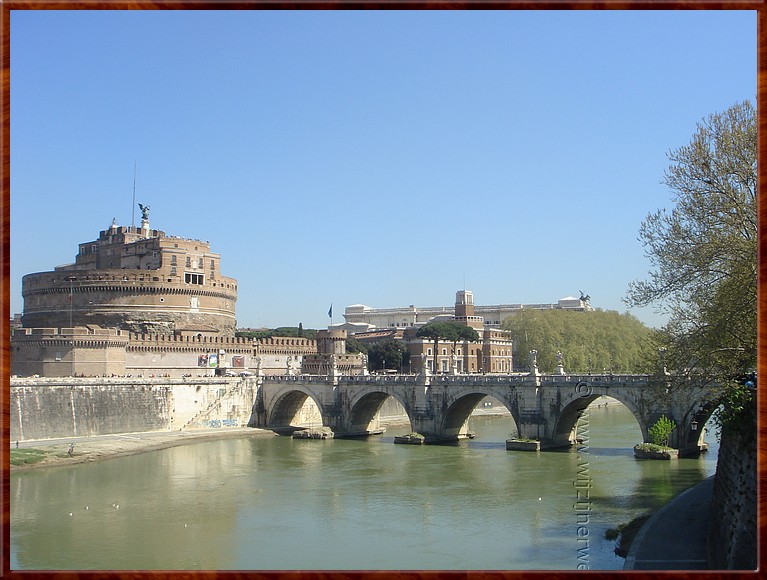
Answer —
(137, 302)
(135, 279)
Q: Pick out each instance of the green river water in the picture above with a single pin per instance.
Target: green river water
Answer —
(275, 503)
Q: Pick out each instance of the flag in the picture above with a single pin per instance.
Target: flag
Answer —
(330, 312)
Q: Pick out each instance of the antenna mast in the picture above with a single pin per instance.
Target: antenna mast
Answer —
(133, 206)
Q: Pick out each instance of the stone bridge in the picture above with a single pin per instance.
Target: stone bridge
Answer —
(544, 407)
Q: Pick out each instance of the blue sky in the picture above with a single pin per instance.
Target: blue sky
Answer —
(385, 158)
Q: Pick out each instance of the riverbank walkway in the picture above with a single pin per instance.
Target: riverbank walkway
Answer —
(674, 538)
(98, 447)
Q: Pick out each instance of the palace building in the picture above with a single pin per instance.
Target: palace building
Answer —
(360, 318)
(492, 353)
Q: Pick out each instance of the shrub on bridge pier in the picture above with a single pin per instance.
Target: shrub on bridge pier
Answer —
(661, 431)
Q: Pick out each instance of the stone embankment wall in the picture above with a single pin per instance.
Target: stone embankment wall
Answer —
(45, 408)
(732, 525)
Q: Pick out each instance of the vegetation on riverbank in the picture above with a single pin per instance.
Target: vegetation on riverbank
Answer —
(626, 533)
(30, 456)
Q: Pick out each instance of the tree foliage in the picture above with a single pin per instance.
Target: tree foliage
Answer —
(353, 346)
(703, 251)
(661, 430)
(589, 341)
(387, 354)
(283, 331)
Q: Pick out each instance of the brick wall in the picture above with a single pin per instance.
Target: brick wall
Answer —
(732, 542)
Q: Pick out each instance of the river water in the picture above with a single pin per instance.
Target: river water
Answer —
(276, 503)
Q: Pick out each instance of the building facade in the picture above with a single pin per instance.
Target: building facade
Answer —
(491, 354)
(359, 317)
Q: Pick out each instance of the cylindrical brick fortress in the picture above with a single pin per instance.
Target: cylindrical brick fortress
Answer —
(138, 280)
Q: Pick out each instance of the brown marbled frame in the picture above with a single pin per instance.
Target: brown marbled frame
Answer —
(7, 5)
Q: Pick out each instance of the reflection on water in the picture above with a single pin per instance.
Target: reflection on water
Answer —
(279, 503)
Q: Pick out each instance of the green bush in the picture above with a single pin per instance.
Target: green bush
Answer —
(661, 431)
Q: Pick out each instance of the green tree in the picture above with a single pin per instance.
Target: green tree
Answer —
(354, 346)
(661, 431)
(389, 353)
(703, 251)
(284, 331)
(589, 341)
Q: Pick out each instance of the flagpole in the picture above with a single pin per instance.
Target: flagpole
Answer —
(133, 205)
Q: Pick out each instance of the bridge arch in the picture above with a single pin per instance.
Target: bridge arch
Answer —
(691, 434)
(565, 429)
(287, 404)
(366, 403)
(456, 417)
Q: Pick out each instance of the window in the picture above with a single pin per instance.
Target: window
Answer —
(173, 259)
(188, 262)
(193, 278)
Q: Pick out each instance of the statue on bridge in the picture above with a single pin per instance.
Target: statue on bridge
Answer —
(560, 370)
(424, 364)
(532, 361)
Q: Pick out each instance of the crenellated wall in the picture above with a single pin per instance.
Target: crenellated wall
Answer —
(90, 351)
(272, 353)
